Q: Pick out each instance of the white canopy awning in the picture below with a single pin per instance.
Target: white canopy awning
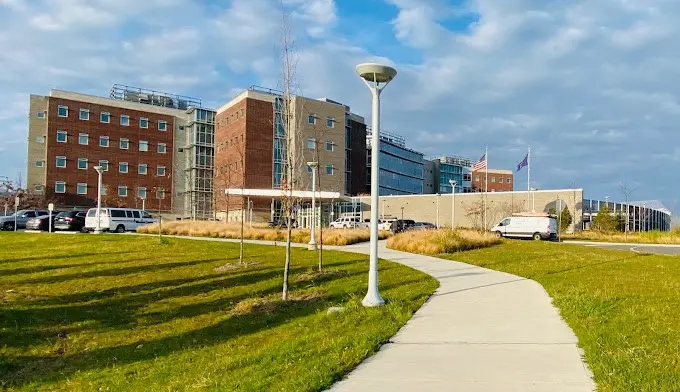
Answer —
(278, 193)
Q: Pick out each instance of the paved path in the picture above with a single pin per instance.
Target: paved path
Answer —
(649, 248)
(482, 330)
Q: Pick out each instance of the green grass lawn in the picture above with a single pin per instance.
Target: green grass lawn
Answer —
(115, 312)
(624, 307)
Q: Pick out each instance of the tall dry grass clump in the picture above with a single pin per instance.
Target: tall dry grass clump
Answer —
(433, 242)
(233, 231)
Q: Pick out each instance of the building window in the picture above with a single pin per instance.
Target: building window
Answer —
(311, 143)
(103, 141)
(62, 111)
(143, 122)
(40, 139)
(160, 171)
(330, 121)
(104, 165)
(82, 189)
(122, 191)
(143, 145)
(123, 167)
(62, 136)
(82, 163)
(311, 119)
(493, 179)
(476, 178)
(60, 187)
(160, 194)
(40, 114)
(83, 139)
(84, 114)
(141, 192)
(161, 148)
(124, 120)
(142, 168)
(509, 180)
(329, 170)
(124, 144)
(61, 161)
(330, 146)
(39, 163)
(162, 125)
(105, 117)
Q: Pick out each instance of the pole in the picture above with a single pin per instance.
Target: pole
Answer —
(438, 210)
(143, 204)
(528, 174)
(559, 225)
(486, 181)
(98, 228)
(49, 221)
(312, 241)
(453, 205)
(15, 216)
(250, 213)
(373, 297)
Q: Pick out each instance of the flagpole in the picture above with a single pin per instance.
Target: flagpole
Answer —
(486, 180)
(528, 177)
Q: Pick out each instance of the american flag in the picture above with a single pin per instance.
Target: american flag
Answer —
(481, 164)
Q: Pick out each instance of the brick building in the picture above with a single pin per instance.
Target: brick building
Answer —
(140, 145)
(499, 180)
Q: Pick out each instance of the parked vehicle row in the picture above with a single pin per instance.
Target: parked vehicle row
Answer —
(111, 219)
(20, 217)
(119, 220)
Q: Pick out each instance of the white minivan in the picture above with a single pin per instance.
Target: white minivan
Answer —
(536, 227)
(119, 220)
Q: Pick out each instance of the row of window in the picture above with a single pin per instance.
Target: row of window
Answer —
(493, 179)
(81, 189)
(311, 144)
(311, 120)
(105, 117)
(330, 169)
(123, 167)
(123, 144)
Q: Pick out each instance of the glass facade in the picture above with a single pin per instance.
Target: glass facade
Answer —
(279, 144)
(454, 169)
(200, 138)
(401, 169)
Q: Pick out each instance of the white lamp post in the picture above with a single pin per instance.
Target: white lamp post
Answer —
(533, 199)
(312, 241)
(453, 203)
(376, 77)
(100, 171)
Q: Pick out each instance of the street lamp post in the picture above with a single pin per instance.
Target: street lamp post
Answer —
(533, 199)
(312, 241)
(376, 77)
(100, 171)
(453, 203)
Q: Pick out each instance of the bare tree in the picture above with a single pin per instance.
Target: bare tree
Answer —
(626, 191)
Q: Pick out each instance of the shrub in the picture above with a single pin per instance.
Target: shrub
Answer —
(432, 242)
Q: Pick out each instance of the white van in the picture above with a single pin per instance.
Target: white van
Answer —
(536, 227)
(119, 220)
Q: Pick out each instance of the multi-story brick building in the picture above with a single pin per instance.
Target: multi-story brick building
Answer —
(142, 141)
(499, 180)
(251, 142)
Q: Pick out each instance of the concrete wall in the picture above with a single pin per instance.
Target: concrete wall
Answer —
(469, 207)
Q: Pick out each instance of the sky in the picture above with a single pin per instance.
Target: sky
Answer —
(592, 86)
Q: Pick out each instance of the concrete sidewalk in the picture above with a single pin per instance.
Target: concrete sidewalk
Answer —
(482, 330)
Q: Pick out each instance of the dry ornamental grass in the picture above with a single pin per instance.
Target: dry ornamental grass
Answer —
(432, 242)
(338, 237)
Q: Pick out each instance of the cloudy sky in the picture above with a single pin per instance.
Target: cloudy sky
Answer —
(592, 86)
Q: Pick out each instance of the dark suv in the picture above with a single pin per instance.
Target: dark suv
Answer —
(70, 220)
(400, 225)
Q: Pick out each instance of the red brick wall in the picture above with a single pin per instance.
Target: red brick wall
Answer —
(499, 185)
(93, 152)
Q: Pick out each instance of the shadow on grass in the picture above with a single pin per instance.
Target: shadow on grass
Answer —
(594, 264)
(18, 370)
(61, 257)
(44, 268)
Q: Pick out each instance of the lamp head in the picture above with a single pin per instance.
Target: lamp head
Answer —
(313, 164)
(99, 169)
(378, 73)
(453, 182)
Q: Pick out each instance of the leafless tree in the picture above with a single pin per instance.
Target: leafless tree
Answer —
(626, 191)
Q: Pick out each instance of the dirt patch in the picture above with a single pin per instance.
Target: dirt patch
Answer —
(272, 304)
(316, 276)
(236, 266)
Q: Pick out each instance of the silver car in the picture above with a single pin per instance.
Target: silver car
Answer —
(22, 216)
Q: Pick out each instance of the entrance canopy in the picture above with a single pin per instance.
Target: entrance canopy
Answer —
(278, 193)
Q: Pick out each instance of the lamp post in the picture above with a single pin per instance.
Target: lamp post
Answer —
(533, 199)
(453, 203)
(100, 171)
(312, 241)
(376, 77)
(143, 203)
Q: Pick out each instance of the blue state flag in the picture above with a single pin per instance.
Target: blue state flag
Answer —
(525, 162)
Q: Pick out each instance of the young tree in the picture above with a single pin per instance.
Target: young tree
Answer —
(626, 191)
(604, 221)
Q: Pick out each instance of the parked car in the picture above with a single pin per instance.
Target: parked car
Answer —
(282, 223)
(70, 220)
(22, 216)
(42, 222)
(536, 227)
(385, 224)
(345, 222)
(421, 226)
(119, 220)
(400, 225)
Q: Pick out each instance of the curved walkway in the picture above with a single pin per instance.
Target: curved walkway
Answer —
(481, 330)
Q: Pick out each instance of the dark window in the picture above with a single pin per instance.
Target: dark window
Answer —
(117, 214)
(29, 214)
(146, 215)
(135, 214)
(129, 214)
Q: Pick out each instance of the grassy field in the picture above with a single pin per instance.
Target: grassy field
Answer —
(433, 242)
(233, 230)
(117, 312)
(649, 237)
(623, 306)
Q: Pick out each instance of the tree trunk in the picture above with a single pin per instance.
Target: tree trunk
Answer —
(242, 220)
(286, 268)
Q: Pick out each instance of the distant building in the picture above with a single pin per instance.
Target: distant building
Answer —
(430, 179)
(449, 168)
(401, 169)
(499, 180)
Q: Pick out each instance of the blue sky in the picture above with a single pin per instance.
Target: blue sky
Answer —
(591, 85)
